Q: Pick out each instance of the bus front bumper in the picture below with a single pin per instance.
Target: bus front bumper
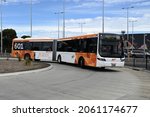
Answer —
(110, 63)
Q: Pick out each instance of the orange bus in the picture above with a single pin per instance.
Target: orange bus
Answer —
(32, 48)
(96, 50)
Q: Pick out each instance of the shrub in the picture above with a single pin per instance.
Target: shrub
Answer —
(28, 62)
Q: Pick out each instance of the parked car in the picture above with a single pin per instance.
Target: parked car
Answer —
(139, 53)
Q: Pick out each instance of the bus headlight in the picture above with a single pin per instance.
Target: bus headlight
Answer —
(101, 59)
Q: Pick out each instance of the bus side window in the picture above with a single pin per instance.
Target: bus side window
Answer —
(59, 46)
(62, 46)
(92, 45)
(37, 46)
(72, 46)
(49, 49)
(75, 45)
(68, 46)
(27, 45)
(46, 46)
(83, 44)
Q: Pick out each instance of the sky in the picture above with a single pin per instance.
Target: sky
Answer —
(16, 15)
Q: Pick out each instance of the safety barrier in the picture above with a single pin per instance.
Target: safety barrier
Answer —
(139, 62)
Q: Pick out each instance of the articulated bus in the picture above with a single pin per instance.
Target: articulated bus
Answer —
(95, 50)
(33, 48)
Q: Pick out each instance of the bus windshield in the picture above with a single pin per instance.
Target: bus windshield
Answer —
(111, 45)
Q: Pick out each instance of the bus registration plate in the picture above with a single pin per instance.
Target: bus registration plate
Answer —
(113, 64)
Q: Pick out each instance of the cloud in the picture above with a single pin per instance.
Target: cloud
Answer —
(88, 5)
(88, 12)
(22, 1)
(91, 25)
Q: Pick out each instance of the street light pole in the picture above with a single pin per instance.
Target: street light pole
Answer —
(127, 8)
(2, 27)
(64, 15)
(144, 43)
(31, 17)
(58, 13)
(103, 17)
(81, 24)
(133, 32)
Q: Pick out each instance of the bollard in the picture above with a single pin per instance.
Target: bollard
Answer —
(146, 61)
(134, 61)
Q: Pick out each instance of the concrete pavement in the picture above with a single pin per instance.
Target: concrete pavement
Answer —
(68, 82)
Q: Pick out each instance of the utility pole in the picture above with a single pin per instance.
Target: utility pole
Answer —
(64, 16)
(31, 18)
(127, 9)
(2, 27)
(81, 24)
(133, 32)
(144, 43)
(103, 16)
(58, 22)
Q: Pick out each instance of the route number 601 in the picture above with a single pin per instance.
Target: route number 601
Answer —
(18, 46)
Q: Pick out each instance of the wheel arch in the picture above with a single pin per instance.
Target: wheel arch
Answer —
(27, 55)
(81, 61)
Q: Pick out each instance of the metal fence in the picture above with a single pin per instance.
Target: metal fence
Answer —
(5, 55)
(138, 62)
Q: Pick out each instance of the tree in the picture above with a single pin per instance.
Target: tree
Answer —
(8, 36)
(25, 36)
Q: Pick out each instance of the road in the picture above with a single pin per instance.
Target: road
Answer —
(69, 82)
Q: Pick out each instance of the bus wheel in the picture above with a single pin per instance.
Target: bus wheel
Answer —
(59, 59)
(27, 57)
(102, 68)
(81, 62)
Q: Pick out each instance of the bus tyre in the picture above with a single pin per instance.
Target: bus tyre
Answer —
(81, 63)
(59, 59)
(102, 68)
(27, 57)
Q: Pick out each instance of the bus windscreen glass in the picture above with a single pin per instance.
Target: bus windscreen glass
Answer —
(111, 46)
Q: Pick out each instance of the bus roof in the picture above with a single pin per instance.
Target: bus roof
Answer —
(85, 36)
(32, 39)
(79, 37)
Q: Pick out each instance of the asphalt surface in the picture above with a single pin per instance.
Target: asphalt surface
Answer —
(69, 82)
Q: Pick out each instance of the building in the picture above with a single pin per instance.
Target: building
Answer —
(138, 41)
